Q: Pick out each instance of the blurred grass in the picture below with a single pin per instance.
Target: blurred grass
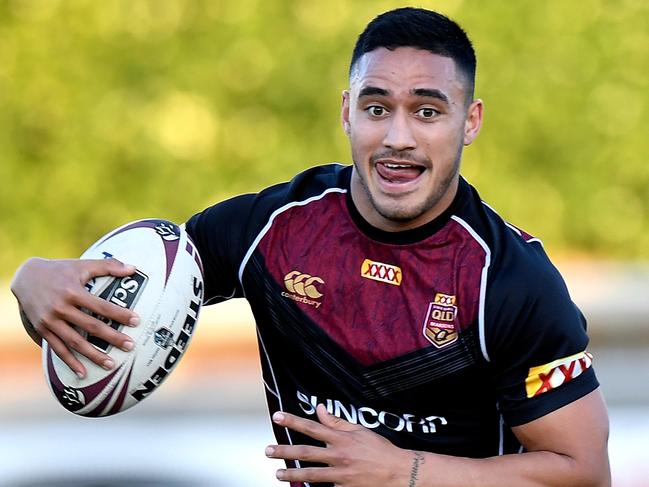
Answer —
(117, 110)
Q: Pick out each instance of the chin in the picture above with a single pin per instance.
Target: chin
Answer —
(400, 213)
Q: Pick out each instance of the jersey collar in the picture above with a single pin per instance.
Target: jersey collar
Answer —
(413, 235)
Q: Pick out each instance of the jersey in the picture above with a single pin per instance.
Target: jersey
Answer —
(440, 338)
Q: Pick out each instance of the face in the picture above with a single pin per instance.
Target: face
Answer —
(407, 118)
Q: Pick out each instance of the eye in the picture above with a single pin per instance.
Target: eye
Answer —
(376, 110)
(427, 112)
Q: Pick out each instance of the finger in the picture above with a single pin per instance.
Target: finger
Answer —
(299, 452)
(311, 474)
(308, 427)
(74, 341)
(108, 310)
(105, 267)
(334, 422)
(64, 353)
(99, 329)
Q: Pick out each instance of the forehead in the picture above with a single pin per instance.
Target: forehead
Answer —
(406, 68)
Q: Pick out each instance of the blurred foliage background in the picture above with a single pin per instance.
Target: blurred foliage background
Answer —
(121, 109)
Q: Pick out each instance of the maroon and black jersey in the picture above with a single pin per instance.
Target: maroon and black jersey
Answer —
(439, 338)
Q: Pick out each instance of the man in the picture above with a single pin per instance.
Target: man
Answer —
(408, 335)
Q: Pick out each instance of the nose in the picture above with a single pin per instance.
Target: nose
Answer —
(399, 135)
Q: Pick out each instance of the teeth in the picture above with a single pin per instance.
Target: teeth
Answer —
(397, 166)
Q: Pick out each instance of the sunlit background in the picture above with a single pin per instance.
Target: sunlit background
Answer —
(116, 110)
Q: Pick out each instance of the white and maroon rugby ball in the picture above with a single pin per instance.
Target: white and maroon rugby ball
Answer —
(166, 291)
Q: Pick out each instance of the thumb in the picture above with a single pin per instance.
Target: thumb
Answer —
(107, 267)
(332, 421)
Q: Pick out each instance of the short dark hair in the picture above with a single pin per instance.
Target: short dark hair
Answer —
(421, 29)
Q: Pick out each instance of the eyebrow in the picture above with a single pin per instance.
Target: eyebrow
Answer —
(421, 92)
(431, 93)
(373, 91)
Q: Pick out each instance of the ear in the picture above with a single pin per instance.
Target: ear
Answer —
(473, 121)
(344, 115)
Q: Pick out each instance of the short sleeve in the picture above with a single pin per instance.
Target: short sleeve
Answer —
(219, 235)
(536, 340)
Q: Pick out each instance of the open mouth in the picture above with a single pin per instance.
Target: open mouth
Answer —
(398, 172)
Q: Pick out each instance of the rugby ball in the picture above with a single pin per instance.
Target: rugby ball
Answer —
(166, 291)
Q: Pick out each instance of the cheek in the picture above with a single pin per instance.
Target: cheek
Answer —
(367, 135)
(355, 146)
(441, 143)
(360, 139)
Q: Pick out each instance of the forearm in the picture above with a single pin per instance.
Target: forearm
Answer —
(568, 448)
(531, 469)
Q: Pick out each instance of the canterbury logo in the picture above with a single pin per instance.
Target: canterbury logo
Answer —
(303, 284)
(377, 271)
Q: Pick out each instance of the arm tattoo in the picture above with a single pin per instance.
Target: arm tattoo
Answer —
(414, 471)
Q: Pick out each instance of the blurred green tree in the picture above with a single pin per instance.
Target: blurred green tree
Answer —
(125, 109)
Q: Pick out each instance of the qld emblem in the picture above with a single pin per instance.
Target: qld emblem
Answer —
(439, 326)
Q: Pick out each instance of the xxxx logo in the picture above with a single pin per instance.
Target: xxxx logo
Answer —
(377, 271)
(302, 286)
(544, 378)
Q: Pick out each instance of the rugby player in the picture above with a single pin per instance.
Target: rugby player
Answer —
(408, 335)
